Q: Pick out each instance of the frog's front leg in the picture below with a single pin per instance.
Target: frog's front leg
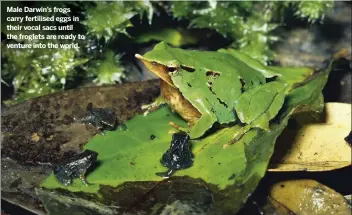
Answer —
(62, 178)
(83, 179)
(195, 130)
(158, 102)
(99, 126)
(179, 128)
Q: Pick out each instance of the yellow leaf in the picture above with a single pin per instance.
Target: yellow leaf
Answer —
(308, 197)
(274, 207)
(315, 145)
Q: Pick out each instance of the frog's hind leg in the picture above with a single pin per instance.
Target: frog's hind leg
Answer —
(63, 179)
(179, 128)
(83, 179)
(122, 126)
(197, 129)
(100, 127)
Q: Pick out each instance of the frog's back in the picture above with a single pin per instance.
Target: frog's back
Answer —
(212, 60)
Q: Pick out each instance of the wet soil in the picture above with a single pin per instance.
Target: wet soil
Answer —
(43, 129)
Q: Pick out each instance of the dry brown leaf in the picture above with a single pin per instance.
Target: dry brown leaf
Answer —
(309, 197)
(274, 207)
(308, 144)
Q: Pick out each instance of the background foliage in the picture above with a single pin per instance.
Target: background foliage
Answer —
(115, 30)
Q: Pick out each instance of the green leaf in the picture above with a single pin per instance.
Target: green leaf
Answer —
(232, 170)
(289, 75)
(292, 75)
(259, 105)
(128, 155)
(251, 62)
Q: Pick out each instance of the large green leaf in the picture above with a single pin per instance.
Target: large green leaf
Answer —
(288, 75)
(231, 170)
(259, 105)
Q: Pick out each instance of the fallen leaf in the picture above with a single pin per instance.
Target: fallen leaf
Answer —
(315, 145)
(273, 207)
(309, 197)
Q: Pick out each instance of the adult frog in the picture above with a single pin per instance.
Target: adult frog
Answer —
(101, 118)
(75, 168)
(178, 156)
(224, 87)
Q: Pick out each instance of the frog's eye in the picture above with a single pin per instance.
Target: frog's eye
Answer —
(171, 68)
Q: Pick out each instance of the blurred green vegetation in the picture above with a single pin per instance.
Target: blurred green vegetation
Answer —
(115, 30)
